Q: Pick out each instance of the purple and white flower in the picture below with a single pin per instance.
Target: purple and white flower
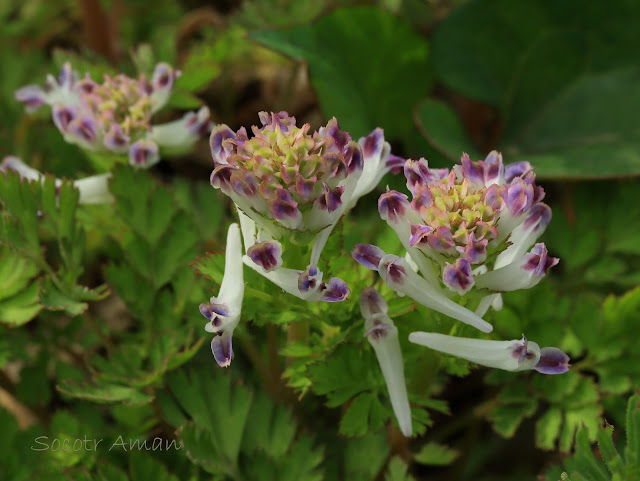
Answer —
(467, 231)
(93, 189)
(382, 334)
(291, 187)
(515, 355)
(115, 115)
(223, 311)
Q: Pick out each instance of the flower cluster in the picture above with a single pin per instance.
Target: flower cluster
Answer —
(466, 230)
(291, 187)
(115, 116)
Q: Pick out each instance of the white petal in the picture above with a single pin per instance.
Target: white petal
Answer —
(232, 288)
(508, 278)
(177, 134)
(497, 354)
(389, 354)
(421, 291)
(94, 189)
(485, 303)
(286, 279)
(24, 171)
(248, 227)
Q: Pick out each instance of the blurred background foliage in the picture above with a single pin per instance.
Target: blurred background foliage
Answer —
(100, 332)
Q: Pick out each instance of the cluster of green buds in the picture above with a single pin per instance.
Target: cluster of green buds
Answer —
(290, 187)
(115, 116)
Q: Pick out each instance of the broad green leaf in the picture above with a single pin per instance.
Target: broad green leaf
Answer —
(565, 82)
(444, 130)
(368, 67)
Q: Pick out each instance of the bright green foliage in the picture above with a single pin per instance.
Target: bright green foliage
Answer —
(349, 67)
(397, 471)
(42, 250)
(611, 463)
(565, 82)
(154, 280)
(233, 431)
(435, 454)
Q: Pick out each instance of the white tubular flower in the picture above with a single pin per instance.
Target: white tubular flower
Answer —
(515, 355)
(115, 116)
(383, 337)
(93, 189)
(223, 311)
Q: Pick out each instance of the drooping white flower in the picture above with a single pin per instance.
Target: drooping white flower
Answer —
(383, 337)
(515, 355)
(223, 311)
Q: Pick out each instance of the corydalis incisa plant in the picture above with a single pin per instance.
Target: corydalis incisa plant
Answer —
(467, 232)
(93, 189)
(115, 116)
(291, 187)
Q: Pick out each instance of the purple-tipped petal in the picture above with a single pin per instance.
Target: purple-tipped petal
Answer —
(519, 197)
(85, 129)
(283, 207)
(538, 262)
(458, 276)
(373, 144)
(539, 216)
(441, 240)
(392, 205)
(368, 255)
(222, 349)
(332, 198)
(552, 361)
(472, 171)
(395, 163)
(476, 250)
(394, 271)
(143, 153)
(164, 76)
(32, 96)
(309, 280)
(221, 177)
(417, 173)
(353, 157)
(66, 77)
(336, 291)
(516, 169)
(372, 302)
(115, 139)
(267, 255)
(422, 197)
(419, 234)
(218, 135)
(378, 330)
(63, 116)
